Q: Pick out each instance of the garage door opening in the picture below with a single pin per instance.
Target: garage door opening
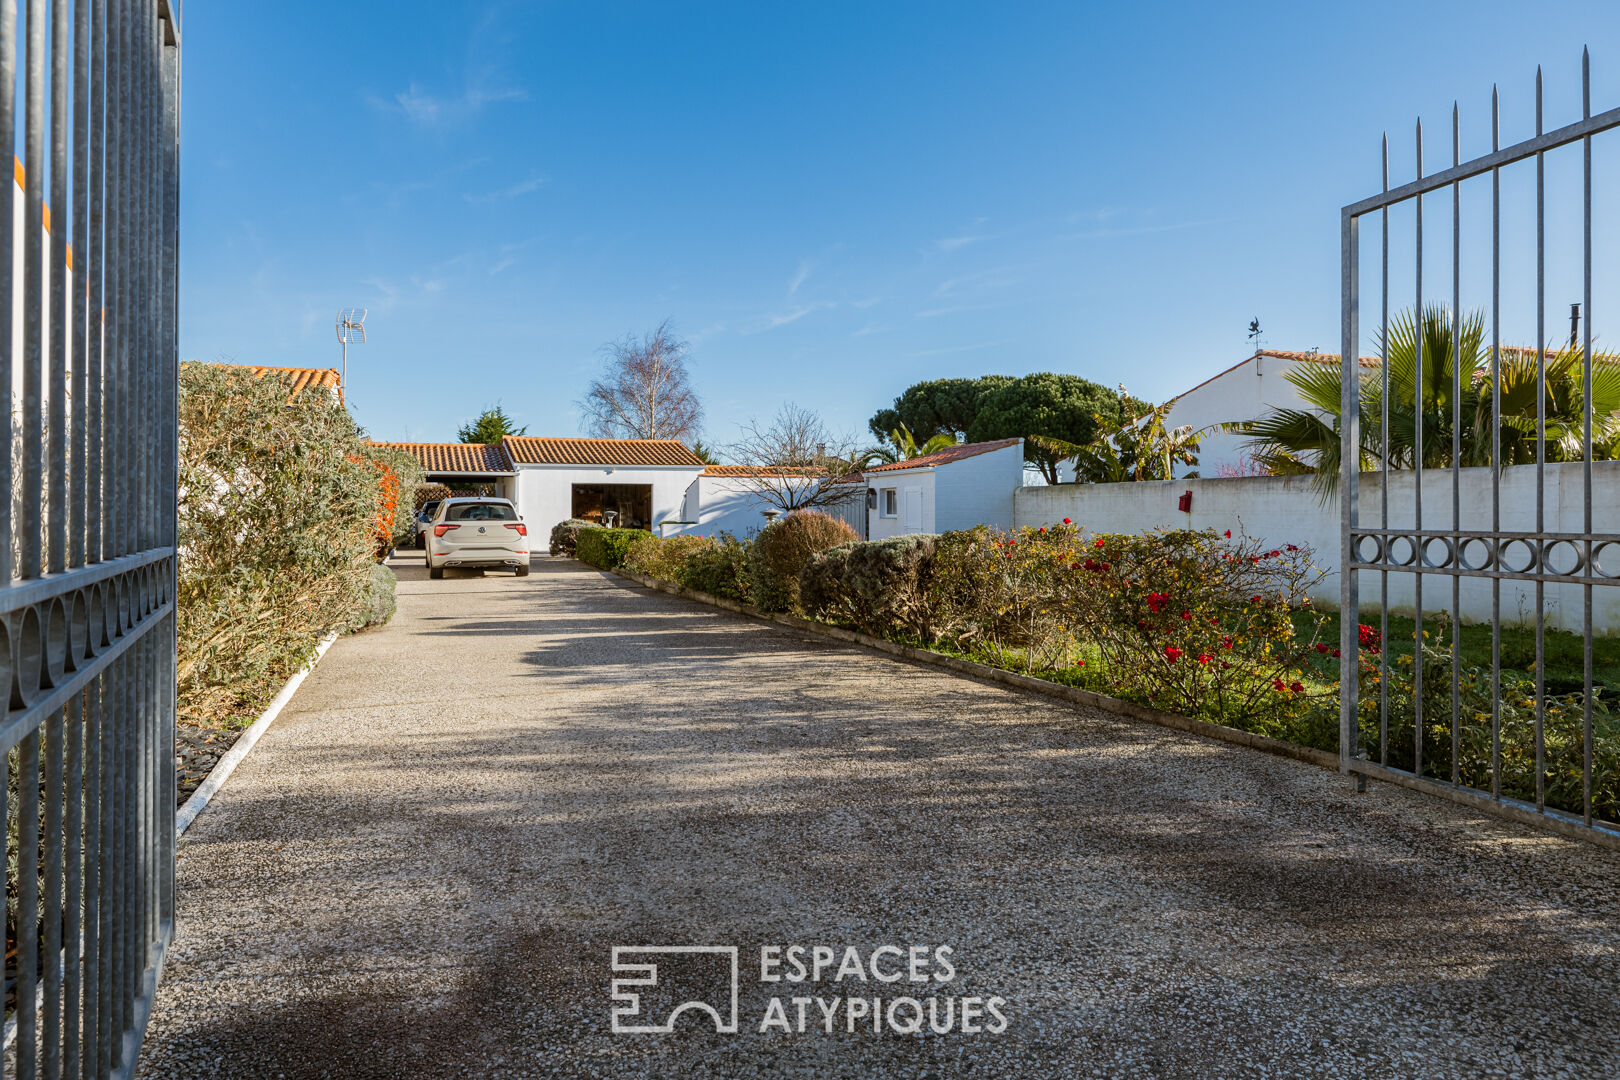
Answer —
(632, 503)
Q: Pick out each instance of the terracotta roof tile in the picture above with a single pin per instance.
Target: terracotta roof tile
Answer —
(949, 454)
(454, 457)
(303, 378)
(759, 470)
(537, 450)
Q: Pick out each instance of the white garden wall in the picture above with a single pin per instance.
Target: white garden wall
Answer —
(1287, 510)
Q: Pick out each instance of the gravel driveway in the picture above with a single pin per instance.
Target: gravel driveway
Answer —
(422, 869)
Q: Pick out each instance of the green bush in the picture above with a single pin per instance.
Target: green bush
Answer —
(880, 586)
(719, 568)
(379, 600)
(665, 559)
(782, 549)
(822, 593)
(279, 502)
(565, 535)
(606, 549)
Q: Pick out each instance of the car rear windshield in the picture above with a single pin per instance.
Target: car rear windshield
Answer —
(482, 512)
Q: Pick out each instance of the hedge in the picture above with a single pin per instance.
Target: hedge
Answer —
(607, 549)
(281, 505)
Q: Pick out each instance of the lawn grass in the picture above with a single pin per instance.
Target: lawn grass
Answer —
(1564, 652)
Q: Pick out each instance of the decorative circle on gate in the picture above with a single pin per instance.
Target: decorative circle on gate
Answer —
(1518, 556)
(1438, 551)
(1369, 549)
(7, 668)
(53, 628)
(1476, 553)
(1562, 557)
(25, 684)
(126, 602)
(110, 602)
(1400, 551)
(78, 628)
(1606, 561)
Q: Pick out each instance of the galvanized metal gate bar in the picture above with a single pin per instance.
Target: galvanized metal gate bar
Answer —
(1426, 549)
(87, 535)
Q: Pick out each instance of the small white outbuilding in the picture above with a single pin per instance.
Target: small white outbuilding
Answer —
(955, 488)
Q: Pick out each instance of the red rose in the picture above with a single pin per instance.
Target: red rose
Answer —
(1172, 653)
(1066, 521)
(1298, 688)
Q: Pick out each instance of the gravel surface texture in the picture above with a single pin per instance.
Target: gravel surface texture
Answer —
(423, 867)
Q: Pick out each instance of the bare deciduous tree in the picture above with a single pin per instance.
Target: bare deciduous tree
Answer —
(645, 393)
(795, 463)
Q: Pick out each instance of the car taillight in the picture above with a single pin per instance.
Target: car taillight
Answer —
(522, 529)
(440, 530)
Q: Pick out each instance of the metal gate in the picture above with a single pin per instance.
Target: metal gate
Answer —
(1413, 708)
(87, 348)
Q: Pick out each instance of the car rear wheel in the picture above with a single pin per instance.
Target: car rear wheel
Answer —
(522, 571)
(435, 572)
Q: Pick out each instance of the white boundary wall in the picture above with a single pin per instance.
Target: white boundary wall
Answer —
(1287, 510)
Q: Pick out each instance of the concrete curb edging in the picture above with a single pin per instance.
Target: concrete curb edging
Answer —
(227, 764)
(1323, 758)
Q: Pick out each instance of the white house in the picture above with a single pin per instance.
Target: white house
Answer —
(1245, 391)
(955, 488)
(639, 481)
(727, 498)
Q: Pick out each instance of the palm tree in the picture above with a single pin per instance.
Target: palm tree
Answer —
(1455, 357)
(902, 446)
(1137, 446)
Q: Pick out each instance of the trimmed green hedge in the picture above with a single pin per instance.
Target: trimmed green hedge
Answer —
(607, 549)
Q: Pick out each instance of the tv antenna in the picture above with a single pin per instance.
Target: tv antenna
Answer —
(351, 326)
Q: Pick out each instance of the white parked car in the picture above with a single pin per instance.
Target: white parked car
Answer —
(477, 533)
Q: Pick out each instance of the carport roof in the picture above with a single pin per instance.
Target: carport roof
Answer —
(479, 458)
(537, 450)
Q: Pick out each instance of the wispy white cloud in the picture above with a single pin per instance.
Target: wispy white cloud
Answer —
(388, 291)
(979, 281)
(427, 109)
(870, 301)
(970, 235)
(485, 80)
(502, 265)
(806, 266)
(870, 329)
(512, 191)
(792, 315)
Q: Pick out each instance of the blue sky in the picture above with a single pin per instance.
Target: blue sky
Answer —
(830, 201)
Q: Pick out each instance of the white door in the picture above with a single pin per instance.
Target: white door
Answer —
(912, 521)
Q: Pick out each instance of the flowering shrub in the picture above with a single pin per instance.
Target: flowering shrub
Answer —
(997, 594)
(1195, 621)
